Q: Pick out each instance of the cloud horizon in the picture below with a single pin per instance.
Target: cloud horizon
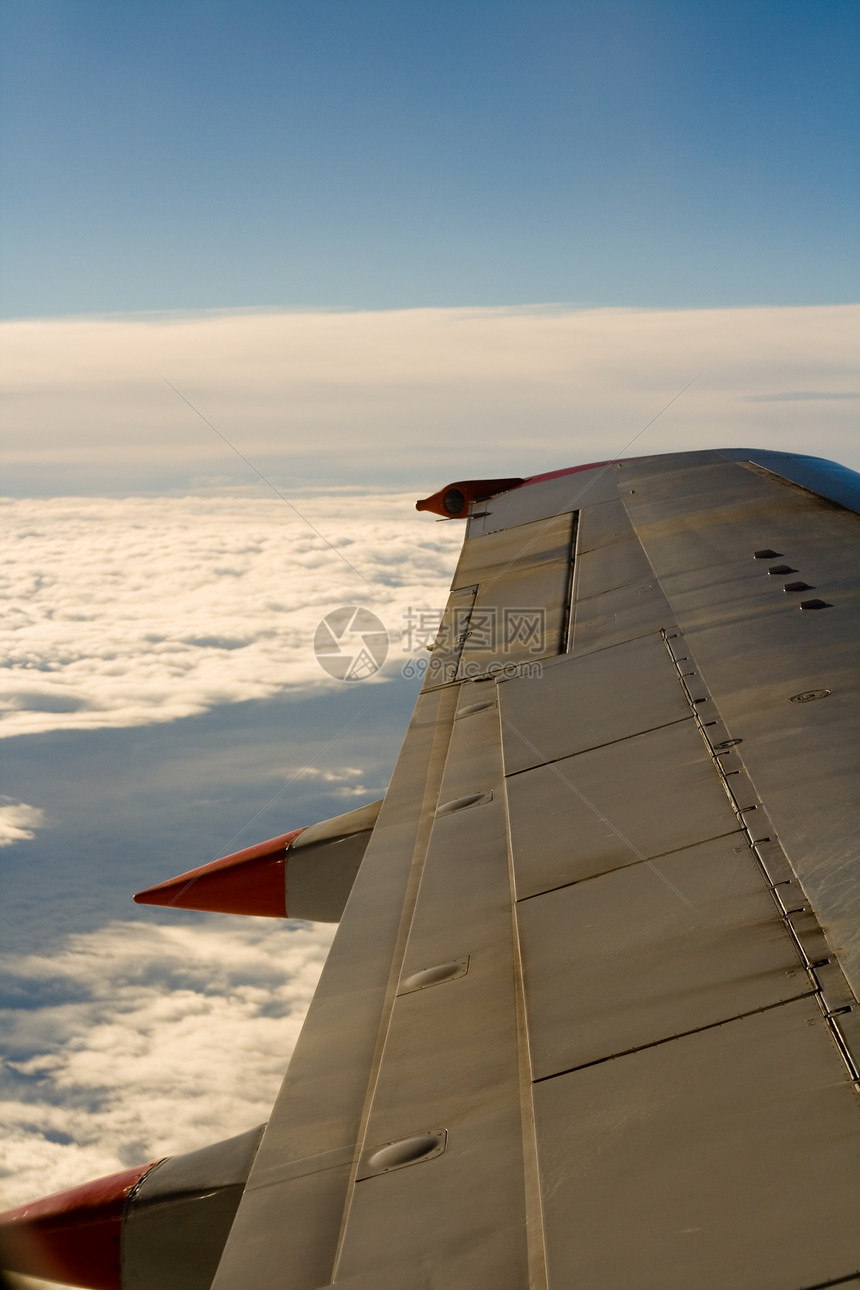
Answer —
(411, 397)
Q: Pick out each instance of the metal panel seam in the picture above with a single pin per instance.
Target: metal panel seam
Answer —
(840, 1281)
(661, 855)
(407, 915)
(566, 644)
(682, 1034)
(545, 526)
(535, 1227)
(550, 761)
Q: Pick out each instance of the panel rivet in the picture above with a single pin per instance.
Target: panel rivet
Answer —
(807, 696)
(797, 586)
(815, 604)
(766, 554)
(728, 743)
(780, 569)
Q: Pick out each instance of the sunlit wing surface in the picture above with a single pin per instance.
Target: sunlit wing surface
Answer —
(590, 1016)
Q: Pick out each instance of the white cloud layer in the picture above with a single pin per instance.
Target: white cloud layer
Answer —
(148, 1041)
(421, 395)
(140, 610)
(18, 821)
(141, 1039)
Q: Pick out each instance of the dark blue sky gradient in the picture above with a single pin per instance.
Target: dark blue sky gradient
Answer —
(334, 154)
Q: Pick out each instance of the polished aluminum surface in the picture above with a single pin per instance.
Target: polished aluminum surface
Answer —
(726, 1158)
(634, 799)
(700, 524)
(588, 1025)
(587, 702)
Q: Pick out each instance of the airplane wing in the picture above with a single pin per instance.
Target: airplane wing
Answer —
(590, 1015)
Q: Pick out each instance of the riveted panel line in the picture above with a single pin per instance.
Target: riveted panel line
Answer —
(707, 528)
(788, 915)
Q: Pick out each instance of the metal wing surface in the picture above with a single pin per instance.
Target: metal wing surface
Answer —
(588, 1019)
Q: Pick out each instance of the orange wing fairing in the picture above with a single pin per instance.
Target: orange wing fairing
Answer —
(247, 882)
(73, 1236)
(452, 502)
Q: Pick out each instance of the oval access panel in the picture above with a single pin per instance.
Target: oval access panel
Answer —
(476, 707)
(434, 975)
(407, 1151)
(460, 803)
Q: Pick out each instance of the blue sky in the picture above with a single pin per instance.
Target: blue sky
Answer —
(387, 154)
